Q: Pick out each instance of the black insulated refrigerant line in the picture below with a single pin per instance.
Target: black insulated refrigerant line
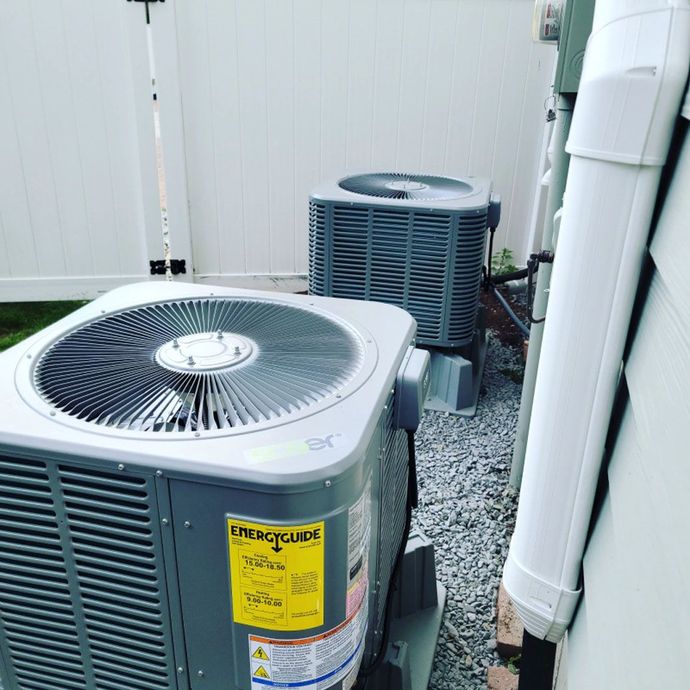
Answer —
(537, 663)
(513, 316)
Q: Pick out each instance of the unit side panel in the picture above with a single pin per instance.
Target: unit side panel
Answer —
(390, 503)
(217, 639)
(468, 259)
(427, 261)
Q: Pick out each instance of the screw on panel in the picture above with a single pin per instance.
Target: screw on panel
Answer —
(187, 524)
(175, 344)
(164, 521)
(180, 669)
(52, 413)
(200, 673)
(120, 467)
(159, 473)
(327, 483)
(190, 361)
(219, 335)
(197, 434)
(237, 349)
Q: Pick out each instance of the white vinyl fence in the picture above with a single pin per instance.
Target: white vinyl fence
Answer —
(78, 190)
(260, 100)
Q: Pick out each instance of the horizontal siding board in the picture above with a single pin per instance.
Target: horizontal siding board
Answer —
(658, 375)
(651, 553)
(670, 245)
(595, 623)
(631, 631)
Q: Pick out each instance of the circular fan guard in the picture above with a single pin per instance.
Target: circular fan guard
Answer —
(198, 364)
(404, 186)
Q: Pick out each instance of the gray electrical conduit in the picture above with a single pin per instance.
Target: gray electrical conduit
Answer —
(559, 172)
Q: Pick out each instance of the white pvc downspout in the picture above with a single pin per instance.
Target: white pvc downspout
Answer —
(635, 70)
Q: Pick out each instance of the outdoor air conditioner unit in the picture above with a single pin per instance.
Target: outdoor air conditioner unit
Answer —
(416, 241)
(204, 488)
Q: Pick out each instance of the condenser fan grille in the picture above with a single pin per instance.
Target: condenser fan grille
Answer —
(404, 186)
(198, 364)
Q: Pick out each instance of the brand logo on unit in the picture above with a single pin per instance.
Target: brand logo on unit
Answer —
(292, 448)
(321, 443)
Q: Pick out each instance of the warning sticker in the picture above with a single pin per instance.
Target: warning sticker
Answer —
(261, 672)
(260, 653)
(276, 575)
(310, 663)
(358, 537)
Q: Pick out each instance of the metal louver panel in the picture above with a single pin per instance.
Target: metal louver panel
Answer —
(198, 364)
(350, 252)
(432, 236)
(427, 262)
(465, 284)
(38, 625)
(393, 482)
(82, 601)
(394, 469)
(317, 222)
(115, 542)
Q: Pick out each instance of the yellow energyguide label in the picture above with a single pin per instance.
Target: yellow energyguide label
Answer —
(276, 574)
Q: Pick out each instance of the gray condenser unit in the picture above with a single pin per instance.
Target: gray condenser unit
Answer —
(204, 488)
(416, 241)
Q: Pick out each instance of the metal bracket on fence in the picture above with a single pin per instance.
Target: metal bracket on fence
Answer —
(177, 266)
(148, 17)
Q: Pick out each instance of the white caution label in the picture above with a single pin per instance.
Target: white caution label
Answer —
(358, 538)
(309, 663)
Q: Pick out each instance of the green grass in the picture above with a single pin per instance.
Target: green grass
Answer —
(19, 320)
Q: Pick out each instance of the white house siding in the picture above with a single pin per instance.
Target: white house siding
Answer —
(631, 631)
(276, 96)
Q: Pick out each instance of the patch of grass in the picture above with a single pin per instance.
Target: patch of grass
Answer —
(19, 320)
(514, 664)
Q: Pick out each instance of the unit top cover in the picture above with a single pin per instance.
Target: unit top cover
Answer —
(209, 380)
(198, 364)
(408, 190)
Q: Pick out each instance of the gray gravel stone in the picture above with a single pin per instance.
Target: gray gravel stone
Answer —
(467, 509)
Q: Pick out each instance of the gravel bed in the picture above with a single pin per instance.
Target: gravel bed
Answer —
(468, 510)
